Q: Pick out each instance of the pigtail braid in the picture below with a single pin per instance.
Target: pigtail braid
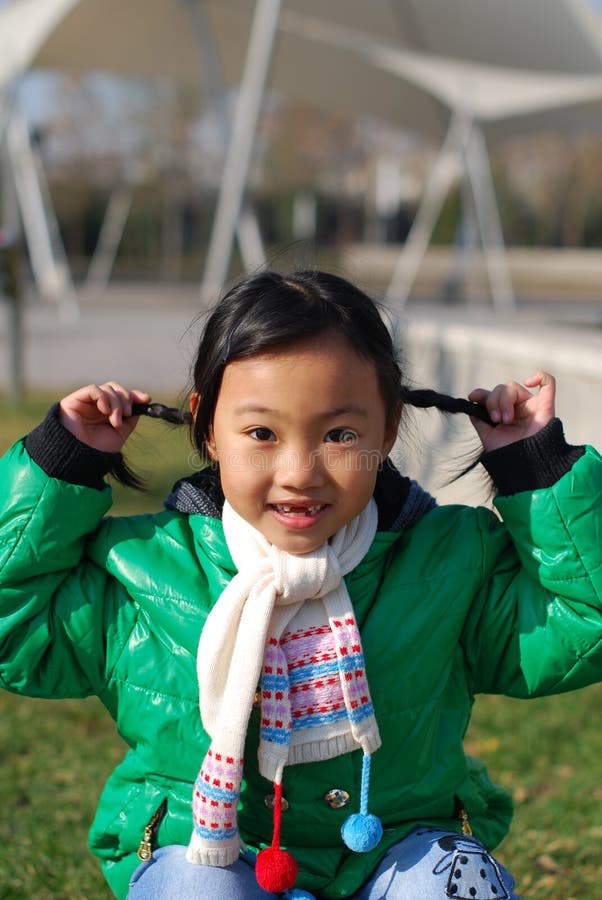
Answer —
(120, 470)
(170, 414)
(423, 398)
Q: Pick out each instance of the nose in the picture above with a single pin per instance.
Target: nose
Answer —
(299, 468)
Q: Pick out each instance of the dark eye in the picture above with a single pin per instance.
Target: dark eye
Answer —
(262, 434)
(341, 436)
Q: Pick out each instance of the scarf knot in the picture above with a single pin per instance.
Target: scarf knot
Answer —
(298, 578)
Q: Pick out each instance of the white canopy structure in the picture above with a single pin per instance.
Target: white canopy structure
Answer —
(474, 99)
(473, 65)
(459, 70)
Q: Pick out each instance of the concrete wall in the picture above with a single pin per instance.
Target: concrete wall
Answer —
(555, 274)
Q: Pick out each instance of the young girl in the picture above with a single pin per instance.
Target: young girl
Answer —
(332, 621)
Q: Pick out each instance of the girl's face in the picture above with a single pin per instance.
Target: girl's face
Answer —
(299, 434)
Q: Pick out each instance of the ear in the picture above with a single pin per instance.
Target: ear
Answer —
(211, 447)
(193, 403)
(391, 431)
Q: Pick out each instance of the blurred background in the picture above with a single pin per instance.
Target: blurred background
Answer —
(443, 154)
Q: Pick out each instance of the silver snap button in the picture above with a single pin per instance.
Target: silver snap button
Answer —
(336, 798)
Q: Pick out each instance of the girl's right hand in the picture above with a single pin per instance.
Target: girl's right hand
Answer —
(101, 415)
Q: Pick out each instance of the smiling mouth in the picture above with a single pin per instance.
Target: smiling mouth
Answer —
(288, 509)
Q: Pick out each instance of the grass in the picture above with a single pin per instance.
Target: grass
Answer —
(547, 753)
(55, 756)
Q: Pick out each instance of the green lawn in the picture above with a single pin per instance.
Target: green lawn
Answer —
(54, 756)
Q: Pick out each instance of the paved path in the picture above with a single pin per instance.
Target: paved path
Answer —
(147, 334)
(139, 335)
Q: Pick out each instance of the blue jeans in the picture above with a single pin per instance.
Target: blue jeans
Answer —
(428, 864)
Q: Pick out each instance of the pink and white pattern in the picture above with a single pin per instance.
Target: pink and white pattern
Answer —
(314, 676)
(215, 796)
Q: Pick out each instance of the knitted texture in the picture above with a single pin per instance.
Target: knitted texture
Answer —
(61, 455)
(534, 463)
(418, 503)
(324, 672)
(199, 494)
(241, 642)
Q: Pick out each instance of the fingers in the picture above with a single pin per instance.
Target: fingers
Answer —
(109, 402)
(501, 402)
(517, 409)
(542, 380)
(116, 402)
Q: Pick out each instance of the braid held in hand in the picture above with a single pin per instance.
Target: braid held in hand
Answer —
(424, 398)
(421, 398)
(160, 411)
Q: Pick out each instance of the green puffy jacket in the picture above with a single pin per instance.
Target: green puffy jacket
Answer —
(456, 605)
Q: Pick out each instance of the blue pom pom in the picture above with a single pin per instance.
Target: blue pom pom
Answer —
(298, 894)
(362, 832)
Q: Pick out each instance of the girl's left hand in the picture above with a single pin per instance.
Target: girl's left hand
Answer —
(519, 412)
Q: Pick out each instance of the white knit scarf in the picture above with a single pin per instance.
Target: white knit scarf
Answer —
(241, 631)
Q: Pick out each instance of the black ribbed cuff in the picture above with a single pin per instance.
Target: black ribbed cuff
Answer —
(535, 462)
(61, 455)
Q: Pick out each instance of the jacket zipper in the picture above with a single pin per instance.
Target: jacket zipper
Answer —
(145, 850)
(460, 812)
(463, 816)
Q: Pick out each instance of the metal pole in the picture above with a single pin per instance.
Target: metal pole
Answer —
(445, 170)
(240, 147)
(490, 225)
(46, 252)
(248, 232)
(107, 245)
(458, 283)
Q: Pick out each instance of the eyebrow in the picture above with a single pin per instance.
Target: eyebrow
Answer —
(258, 409)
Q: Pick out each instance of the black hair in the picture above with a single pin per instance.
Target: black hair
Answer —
(269, 310)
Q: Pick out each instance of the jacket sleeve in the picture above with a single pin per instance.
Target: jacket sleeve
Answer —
(53, 599)
(535, 626)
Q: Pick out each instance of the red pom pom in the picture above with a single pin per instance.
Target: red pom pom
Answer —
(275, 870)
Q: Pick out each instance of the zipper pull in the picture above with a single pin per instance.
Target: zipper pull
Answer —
(466, 829)
(145, 850)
